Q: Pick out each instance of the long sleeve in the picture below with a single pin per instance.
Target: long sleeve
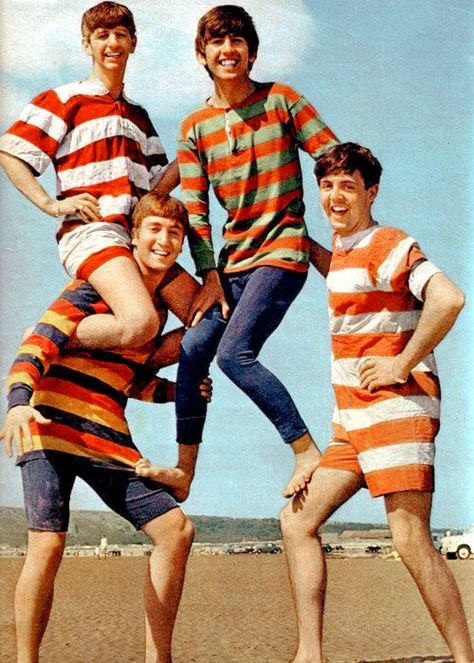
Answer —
(312, 134)
(53, 331)
(195, 192)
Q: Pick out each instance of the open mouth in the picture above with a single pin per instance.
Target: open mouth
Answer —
(228, 63)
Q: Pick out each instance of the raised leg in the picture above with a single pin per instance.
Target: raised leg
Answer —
(172, 535)
(300, 522)
(409, 519)
(134, 320)
(35, 590)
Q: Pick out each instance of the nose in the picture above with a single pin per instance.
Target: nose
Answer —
(112, 39)
(163, 239)
(227, 44)
(337, 194)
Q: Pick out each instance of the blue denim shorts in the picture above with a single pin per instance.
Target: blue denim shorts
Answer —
(48, 480)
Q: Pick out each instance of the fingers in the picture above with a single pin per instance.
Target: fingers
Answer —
(40, 419)
(7, 440)
(225, 309)
(85, 205)
(196, 318)
(88, 212)
(26, 438)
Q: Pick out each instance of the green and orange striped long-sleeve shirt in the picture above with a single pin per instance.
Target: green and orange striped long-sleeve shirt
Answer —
(249, 155)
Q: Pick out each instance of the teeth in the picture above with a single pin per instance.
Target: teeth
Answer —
(228, 63)
(339, 209)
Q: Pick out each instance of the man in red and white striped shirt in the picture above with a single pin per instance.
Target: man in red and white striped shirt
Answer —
(389, 307)
(107, 155)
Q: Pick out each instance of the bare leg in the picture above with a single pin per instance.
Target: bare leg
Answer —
(300, 521)
(409, 518)
(307, 457)
(134, 320)
(172, 535)
(35, 590)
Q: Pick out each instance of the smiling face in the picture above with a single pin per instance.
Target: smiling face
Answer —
(157, 243)
(227, 57)
(110, 49)
(346, 202)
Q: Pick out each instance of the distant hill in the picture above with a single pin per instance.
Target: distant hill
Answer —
(87, 527)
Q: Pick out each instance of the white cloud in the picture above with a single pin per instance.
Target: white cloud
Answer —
(41, 38)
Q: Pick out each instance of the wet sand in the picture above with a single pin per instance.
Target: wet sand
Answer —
(235, 609)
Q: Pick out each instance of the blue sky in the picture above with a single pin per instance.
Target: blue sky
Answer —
(394, 75)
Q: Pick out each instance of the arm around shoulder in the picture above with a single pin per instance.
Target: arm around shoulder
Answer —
(319, 257)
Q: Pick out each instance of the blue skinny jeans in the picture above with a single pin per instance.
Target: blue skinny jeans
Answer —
(259, 299)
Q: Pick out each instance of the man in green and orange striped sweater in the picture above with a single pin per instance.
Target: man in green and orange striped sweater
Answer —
(243, 141)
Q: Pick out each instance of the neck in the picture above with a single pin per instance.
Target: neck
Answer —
(151, 278)
(231, 93)
(113, 80)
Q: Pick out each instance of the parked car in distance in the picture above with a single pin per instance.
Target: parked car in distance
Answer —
(460, 546)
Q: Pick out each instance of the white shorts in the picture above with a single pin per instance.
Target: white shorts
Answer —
(77, 246)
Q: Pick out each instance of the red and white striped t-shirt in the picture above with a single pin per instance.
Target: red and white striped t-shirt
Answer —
(375, 286)
(100, 145)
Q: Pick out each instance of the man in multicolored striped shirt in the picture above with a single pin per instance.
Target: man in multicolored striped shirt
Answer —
(67, 417)
(106, 154)
(389, 307)
(244, 141)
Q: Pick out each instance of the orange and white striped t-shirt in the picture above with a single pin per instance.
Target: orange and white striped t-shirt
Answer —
(375, 283)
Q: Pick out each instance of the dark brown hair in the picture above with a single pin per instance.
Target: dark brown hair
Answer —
(347, 158)
(107, 15)
(156, 204)
(226, 20)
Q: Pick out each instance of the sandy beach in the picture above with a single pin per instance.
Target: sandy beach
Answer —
(235, 609)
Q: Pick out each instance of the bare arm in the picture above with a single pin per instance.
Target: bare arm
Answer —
(23, 179)
(170, 179)
(319, 257)
(443, 303)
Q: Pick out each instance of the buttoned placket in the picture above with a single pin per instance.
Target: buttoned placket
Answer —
(228, 130)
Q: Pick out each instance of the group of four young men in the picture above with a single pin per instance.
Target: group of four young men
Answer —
(101, 341)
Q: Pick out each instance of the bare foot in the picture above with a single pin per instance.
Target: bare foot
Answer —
(174, 478)
(307, 457)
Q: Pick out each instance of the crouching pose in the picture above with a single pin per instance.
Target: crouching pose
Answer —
(66, 415)
(389, 307)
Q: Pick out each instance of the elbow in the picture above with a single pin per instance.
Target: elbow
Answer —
(458, 301)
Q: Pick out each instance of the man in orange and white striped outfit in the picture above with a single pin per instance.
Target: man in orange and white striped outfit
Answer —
(389, 307)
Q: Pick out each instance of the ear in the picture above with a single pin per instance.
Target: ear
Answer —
(134, 44)
(86, 45)
(201, 58)
(373, 191)
(134, 237)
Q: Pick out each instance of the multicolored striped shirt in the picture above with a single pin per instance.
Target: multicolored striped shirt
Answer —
(84, 393)
(98, 145)
(375, 282)
(249, 155)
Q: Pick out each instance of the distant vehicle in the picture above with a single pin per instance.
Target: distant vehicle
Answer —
(373, 549)
(459, 546)
(327, 548)
(267, 547)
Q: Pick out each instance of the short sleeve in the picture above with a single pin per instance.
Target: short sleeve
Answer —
(419, 277)
(36, 136)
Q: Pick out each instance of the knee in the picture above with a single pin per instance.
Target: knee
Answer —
(137, 328)
(411, 542)
(46, 547)
(294, 526)
(229, 361)
(180, 532)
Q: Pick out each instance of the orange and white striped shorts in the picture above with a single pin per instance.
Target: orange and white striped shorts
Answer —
(391, 468)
